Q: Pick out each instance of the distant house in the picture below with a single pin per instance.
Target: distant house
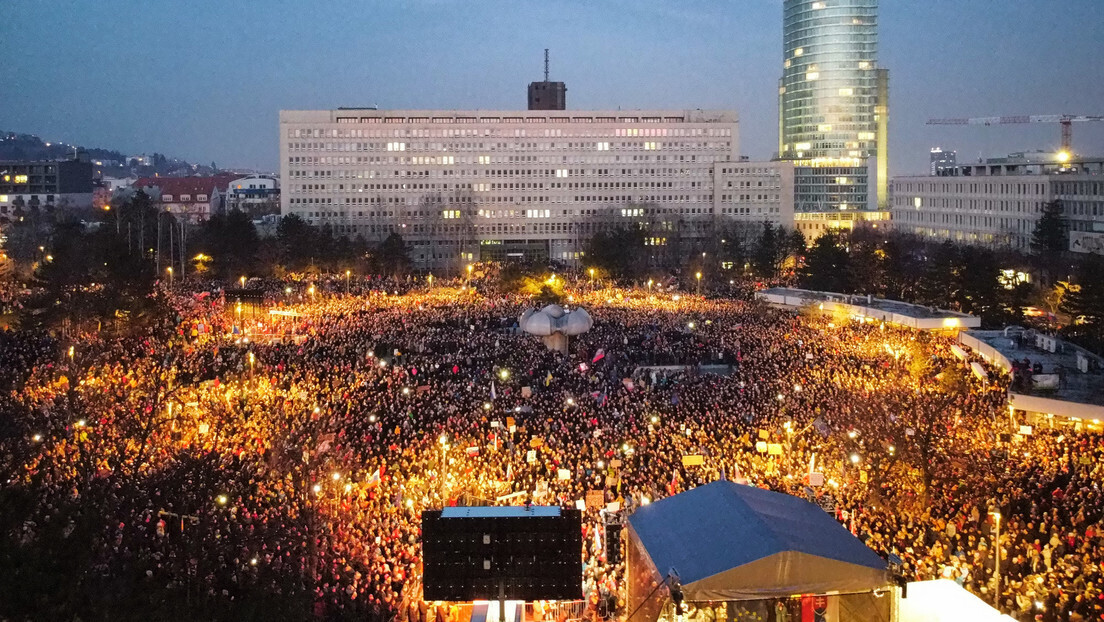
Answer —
(194, 199)
(253, 192)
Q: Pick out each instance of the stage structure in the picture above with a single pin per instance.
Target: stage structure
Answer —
(743, 551)
(524, 553)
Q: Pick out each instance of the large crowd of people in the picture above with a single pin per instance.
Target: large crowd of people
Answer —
(276, 452)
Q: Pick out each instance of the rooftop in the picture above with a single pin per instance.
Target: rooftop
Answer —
(889, 310)
(1073, 386)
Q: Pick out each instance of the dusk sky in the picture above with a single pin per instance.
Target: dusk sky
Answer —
(205, 79)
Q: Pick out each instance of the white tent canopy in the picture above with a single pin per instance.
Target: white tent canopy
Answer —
(945, 601)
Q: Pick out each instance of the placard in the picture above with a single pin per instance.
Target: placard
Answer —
(816, 480)
(761, 447)
(531, 456)
(764, 435)
(693, 460)
(613, 506)
(615, 464)
(774, 449)
(536, 441)
(595, 499)
(1025, 430)
(563, 474)
(526, 392)
(580, 505)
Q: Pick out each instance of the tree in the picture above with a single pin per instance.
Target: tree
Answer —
(1051, 234)
(1084, 302)
(618, 252)
(769, 251)
(826, 265)
(393, 256)
(232, 242)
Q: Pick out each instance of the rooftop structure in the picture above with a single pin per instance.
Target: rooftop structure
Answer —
(1059, 379)
(868, 308)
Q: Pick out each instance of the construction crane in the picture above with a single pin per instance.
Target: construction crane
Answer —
(1065, 120)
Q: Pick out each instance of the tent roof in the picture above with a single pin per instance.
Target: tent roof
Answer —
(729, 541)
(943, 600)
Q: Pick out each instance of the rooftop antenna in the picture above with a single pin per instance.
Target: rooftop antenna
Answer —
(546, 64)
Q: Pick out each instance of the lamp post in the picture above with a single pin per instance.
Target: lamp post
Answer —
(470, 267)
(242, 279)
(699, 281)
(170, 271)
(996, 551)
(347, 274)
(310, 290)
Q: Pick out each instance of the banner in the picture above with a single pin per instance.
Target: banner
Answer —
(764, 435)
(595, 499)
(816, 480)
(526, 392)
(693, 460)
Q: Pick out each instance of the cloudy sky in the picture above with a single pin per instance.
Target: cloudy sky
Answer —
(205, 79)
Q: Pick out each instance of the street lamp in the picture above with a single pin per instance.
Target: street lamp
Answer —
(311, 291)
(997, 551)
(242, 279)
(347, 274)
(699, 281)
(170, 271)
(470, 267)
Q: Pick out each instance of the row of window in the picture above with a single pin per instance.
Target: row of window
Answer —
(718, 132)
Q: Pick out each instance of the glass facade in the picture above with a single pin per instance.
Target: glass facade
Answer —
(828, 100)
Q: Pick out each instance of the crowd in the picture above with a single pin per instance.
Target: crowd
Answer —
(243, 463)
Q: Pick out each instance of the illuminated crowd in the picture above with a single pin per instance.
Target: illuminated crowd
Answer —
(282, 442)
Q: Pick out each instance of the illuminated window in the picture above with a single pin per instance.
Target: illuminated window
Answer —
(786, 63)
(20, 179)
(3, 198)
(166, 197)
(484, 159)
(917, 202)
(847, 92)
(603, 146)
(803, 146)
(866, 135)
(799, 51)
(561, 172)
(450, 213)
(812, 75)
(396, 146)
(818, 6)
(843, 181)
(864, 64)
(824, 127)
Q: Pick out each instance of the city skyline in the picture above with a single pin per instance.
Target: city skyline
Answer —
(162, 79)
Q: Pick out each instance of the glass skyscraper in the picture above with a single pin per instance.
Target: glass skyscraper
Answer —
(832, 102)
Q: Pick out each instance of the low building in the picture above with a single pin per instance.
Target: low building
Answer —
(1054, 383)
(869, 309)
(815, 224)
(253, 193)
(996, 203)
(53, 184)
(194, 199)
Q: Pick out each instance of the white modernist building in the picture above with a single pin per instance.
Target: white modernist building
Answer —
(997, 203)
(463, 186)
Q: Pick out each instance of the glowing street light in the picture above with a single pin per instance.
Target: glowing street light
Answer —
(348, 273)
(221, 499)
(504, 373)
(406, 390)
(71, 353)
(996, 549)
(310, 290)
(170, 271)
(336, 476)
(242, 279)
(854, 458)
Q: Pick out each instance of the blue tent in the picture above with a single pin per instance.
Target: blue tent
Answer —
(726, 541)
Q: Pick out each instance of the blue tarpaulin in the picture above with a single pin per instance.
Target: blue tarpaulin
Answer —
(727, 541)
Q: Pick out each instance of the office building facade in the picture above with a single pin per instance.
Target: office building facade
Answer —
(54, 184)
(996, 203)
(462, 186)
(833, 105)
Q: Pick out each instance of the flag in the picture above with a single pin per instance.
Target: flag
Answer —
(599, 356)
(493, 395)
(548, 379)
(375, 479)
(723, 478)
(821, 426)
(472, 451)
